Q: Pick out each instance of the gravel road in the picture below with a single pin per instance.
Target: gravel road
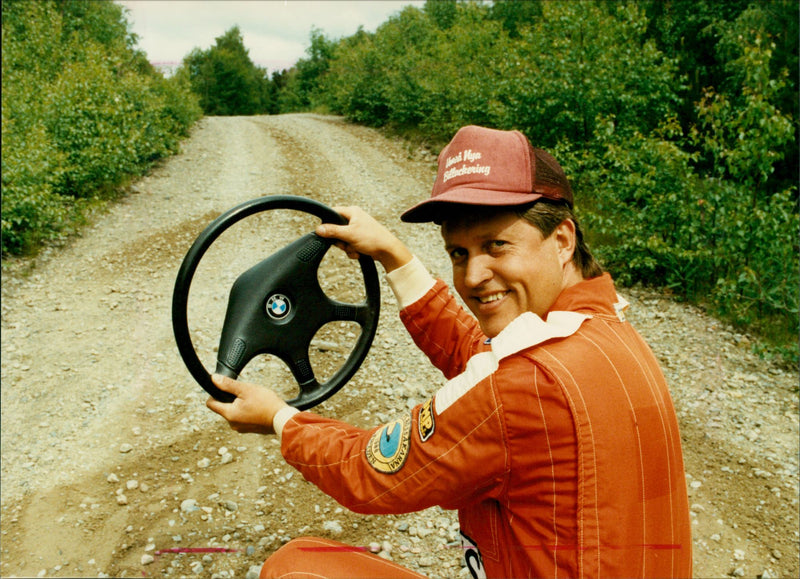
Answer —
(112, 465)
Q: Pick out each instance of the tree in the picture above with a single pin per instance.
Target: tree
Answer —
(582, 61)
(441, 12)
(225, 79)
(515, 15)
(703, 37)
(354, 84)
(310, 71)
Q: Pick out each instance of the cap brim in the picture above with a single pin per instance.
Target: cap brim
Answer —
(437, 208)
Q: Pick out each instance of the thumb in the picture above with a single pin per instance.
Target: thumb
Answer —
(226, 384)
(327, 230)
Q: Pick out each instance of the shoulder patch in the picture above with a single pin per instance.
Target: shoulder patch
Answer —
(387, 449)
(425, 420)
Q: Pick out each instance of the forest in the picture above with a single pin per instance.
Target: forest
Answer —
(676, 121)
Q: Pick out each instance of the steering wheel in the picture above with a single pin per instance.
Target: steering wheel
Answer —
(277, 306)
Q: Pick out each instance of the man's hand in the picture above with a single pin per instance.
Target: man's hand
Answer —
(253, 409)
(364, 235)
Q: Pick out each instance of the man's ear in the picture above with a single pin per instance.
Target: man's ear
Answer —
(566, 240)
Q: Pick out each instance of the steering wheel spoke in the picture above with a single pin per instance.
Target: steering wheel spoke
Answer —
(358, 313)
(302, 371)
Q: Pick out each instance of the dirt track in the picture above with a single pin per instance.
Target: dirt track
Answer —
(106, 440)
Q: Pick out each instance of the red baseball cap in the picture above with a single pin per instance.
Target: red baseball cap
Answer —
(483, 167)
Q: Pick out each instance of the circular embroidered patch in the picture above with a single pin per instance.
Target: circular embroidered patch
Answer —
(387, 450)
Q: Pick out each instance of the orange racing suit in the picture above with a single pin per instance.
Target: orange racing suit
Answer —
(556, 441)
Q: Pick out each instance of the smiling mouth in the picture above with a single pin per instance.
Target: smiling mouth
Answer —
(491, 298)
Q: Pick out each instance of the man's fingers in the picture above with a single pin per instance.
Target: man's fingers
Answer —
(335, 231)
(329, 230)
(346, 212)
(332, 229)
(226, 384)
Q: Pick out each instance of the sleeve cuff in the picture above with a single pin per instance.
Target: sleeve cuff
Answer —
(410, 282)
(281, 418)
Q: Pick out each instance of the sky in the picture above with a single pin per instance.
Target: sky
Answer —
(276, 32)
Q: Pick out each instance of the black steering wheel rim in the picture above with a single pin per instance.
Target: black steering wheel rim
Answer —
(312, 392)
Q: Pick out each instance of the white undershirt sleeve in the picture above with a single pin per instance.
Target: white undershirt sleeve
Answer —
(410, 282)
(281, 417)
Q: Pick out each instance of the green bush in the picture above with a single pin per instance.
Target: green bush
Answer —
(655, 221)
(643, 205)
(31, 212)
(83, 111)
(353, 85)
(580, 62)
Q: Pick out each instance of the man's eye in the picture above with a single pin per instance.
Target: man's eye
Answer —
(457, 254)
(496, 244)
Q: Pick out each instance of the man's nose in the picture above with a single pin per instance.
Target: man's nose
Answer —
(477, 271)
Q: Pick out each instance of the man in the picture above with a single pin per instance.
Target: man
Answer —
(555, 437)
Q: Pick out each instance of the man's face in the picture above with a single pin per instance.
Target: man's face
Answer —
(503, 267)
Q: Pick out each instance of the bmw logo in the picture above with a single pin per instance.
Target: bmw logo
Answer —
(278, 306)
